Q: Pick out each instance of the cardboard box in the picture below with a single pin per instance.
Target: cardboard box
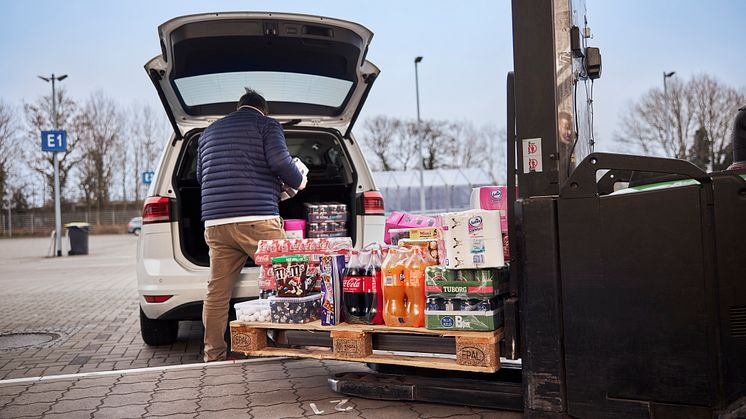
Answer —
(332, 272)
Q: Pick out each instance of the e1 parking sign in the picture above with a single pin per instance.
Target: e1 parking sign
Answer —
(54, 140)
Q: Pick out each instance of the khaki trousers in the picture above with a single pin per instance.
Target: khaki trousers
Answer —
(230, 245)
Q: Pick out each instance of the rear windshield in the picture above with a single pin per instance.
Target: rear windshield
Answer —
(274, 86)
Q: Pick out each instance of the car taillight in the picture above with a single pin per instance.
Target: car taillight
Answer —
(157, 298)
(372, 203)
(156, 210)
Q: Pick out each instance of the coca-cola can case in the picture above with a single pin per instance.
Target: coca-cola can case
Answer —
(331, 268)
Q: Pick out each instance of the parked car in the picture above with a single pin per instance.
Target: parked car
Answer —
(313, 72)
(134, 226)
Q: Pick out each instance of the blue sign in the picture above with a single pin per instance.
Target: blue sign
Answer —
(53, 141)
(147, 178)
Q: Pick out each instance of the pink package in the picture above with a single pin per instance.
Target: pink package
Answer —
(399, 219)
(490, 198)
(295, 229)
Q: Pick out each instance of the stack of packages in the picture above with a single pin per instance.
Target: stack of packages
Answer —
(325, 220)
(494, 198)
(290, 271)
(467, 291)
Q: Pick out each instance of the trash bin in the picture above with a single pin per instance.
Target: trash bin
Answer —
(77, 233)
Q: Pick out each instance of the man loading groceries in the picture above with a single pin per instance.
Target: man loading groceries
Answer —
(242, 160)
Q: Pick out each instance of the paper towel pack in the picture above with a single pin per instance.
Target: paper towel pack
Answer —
(490, 198)
(473, 239)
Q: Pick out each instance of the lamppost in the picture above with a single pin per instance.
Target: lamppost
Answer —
(417, 60)
(665, 99)
(57, 211)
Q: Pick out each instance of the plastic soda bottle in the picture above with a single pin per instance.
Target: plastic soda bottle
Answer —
(414, 289)
(394, 297)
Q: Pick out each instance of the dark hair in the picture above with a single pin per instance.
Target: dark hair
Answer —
(253, 99)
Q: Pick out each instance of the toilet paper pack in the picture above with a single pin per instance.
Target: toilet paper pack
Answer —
(473, 240)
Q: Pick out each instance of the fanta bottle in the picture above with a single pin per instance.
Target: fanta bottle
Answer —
(394, 297)
(414, 273)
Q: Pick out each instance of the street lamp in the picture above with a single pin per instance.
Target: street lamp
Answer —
(57, 211)
(417, 60)
(665, 99)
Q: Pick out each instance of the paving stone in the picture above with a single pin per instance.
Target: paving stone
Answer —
(118, 400)
(42, 386)
(285, 410)
(312, 381)
(82, 393)
(271, 398)
(64, 406)
(185, 373)
(363, 404)
(226, 414)
(303, 363)
(135, 378)
(400, 411)
(269, 386)
(266, 376)
(307, 372)
(183, 383)
(172, 408)
(316, 393)
(497, 414)
(5, 400)
(17, 411)
(210, 370)
(13, 390)
(262, 366)
(177, 416)
(133, 388)
(338, 415)
(191, 393)
(223, 402)
(129, 411)
(96, 382)
(46, 397)
(227, 379)
(82, 414)
(225, 390)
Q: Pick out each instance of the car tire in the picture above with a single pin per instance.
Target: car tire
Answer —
(158, 332)
(136, 232)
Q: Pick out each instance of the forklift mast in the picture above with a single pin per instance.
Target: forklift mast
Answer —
(629, 305)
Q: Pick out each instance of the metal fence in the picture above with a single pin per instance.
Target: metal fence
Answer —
(445, 189)
(42, 222)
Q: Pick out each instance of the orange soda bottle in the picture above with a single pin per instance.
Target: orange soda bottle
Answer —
(394, 298)
(415, 288)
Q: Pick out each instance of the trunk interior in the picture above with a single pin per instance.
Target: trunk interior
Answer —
(331, 178)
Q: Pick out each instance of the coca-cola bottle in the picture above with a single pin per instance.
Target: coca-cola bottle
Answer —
(361, 288)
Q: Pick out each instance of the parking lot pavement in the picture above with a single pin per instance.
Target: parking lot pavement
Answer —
(86, 306)
(255, 389)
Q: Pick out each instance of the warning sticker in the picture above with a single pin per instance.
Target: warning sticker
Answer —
(532, 155)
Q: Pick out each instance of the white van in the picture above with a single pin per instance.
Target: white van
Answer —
(313, 72)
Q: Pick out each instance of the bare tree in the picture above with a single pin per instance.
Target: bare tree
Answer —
(100, 134)
(692, 122)
(38, 117)
(439, 146)
(381, 134)
(8, 148)
(147, 133)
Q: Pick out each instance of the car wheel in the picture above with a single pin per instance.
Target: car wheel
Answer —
(158, 332)
(136, 232)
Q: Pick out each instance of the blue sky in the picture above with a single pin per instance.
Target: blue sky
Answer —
(467, 49)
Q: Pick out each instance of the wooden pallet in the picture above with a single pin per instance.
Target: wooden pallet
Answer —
(475, 351)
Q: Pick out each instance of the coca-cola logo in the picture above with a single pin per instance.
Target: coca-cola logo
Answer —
(353, 282)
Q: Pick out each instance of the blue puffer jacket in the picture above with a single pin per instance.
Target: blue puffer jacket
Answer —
(241, 160)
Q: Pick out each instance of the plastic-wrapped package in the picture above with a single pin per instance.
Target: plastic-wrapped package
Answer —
(253, 311)
(295, 309)
(474, 314)
(292, 276)
(466, 283)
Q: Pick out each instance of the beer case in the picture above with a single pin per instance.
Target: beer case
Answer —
(466, 283)
(331, 268)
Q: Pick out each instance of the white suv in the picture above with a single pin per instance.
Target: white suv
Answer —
(313, 73)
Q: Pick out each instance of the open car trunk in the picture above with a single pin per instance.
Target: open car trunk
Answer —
(331, 178)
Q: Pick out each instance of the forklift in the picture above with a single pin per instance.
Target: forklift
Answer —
(622, 305)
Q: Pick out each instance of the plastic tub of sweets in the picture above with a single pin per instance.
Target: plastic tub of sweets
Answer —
(295, 309)
(253, 311)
